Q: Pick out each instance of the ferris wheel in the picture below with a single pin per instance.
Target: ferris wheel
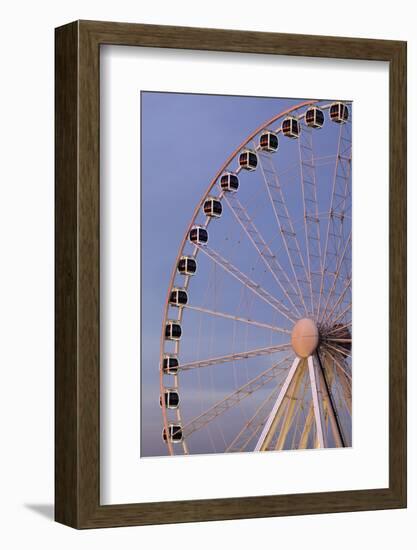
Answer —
(256, 342)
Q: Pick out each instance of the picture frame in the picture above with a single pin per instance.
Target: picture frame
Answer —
(77, 269)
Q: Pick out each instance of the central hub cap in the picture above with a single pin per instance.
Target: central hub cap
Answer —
(305, 337)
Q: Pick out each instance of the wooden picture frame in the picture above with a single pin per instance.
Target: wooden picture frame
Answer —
(77, 405)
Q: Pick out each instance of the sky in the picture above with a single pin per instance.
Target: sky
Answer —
(185, 138)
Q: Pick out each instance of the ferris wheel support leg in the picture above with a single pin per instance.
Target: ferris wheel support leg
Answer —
(334, 422)
(289, 414)
(269, 427)
(307, 427)
(316, 404)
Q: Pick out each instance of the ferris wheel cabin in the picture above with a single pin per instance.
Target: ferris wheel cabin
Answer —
(170, 364)
(229, 182)
(314, 117)
(171, 399)
(174, 433)
(268, 142)
(212, 207)
(248, 160)
(339, 113)
(179, 297)
(173, 330)
(187, 265)
(198, 235)
(290, 127)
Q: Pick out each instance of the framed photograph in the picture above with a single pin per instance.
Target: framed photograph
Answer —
(230, 274)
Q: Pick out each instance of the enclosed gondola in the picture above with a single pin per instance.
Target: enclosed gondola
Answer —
(268, 142)
(290, 127)
(175, 433)
(314, 117)
(248, 160)
(171, 399)
(229, 182)
(178, 297)
(187, 265)
(212, 207)
(173, 330)
(198, 235)
(339, 113)
(170, 364)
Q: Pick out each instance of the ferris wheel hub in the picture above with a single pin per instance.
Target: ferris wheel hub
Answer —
(305, 337)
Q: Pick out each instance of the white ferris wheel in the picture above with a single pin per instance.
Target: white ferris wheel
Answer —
(256, 342)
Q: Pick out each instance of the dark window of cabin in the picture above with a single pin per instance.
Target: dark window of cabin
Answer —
(264, 140)
(176, 433)
(273, 140)
(182, 297)
(217, 207)
(294, 126)
(172, 399)
(319, 117)
(234, 182)
(167, 362)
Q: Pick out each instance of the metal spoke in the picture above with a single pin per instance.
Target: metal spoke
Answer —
(339, 328)
(236, 318)
(340, 350)
(338, 208)
(338, 365)
(234, 357)
(290, 409)
(271, 424)
(342, 313)
(345, 383)
(316, 405)
(331, 408)
(336, 277)
(251, 426)
(248, 283)
(299, 414)
(311, 213)
(339, 301)
(307, 428)
(264, 251)
(235, 397)
(286, 227)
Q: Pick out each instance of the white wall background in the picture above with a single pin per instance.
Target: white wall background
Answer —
(26, 272)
